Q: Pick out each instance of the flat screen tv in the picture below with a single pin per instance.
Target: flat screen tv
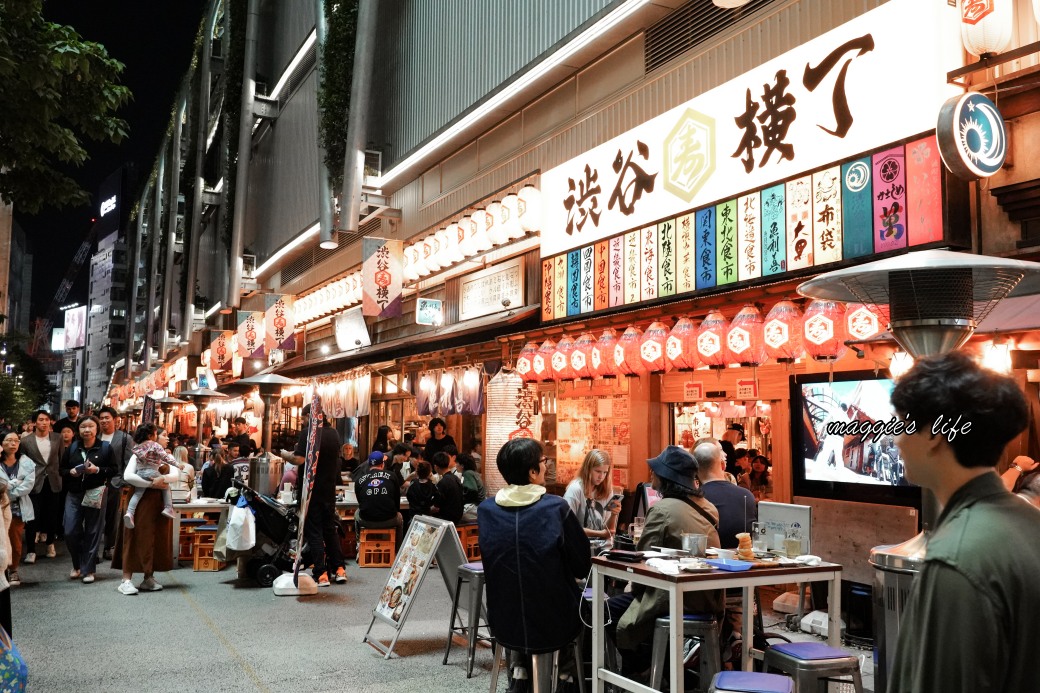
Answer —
(843, 440)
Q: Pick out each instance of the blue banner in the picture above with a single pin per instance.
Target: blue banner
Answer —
(574, 282)
(857, 207)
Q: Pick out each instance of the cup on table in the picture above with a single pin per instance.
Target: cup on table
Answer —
(759, 541)
(793, 543)
(637, 528)
(695, 544)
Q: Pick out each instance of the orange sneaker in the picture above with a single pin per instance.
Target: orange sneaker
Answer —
(323, 580)
(341, 575)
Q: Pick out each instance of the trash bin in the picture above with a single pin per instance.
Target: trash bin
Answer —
(265, 474)
(895, 567)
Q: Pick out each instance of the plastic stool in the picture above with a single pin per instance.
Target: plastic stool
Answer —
(750, 682)
(545, 669)
(472, 573)
(812, 664)
(705, 628)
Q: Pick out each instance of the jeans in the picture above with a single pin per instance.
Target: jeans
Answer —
(322, 537)
(83, 527)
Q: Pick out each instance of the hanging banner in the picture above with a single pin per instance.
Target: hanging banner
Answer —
(381, 276)
(251, 334)
(220, 350)
(279, 323)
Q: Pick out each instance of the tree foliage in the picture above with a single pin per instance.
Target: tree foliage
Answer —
(337, 70)
(59, 91)
(25, 389)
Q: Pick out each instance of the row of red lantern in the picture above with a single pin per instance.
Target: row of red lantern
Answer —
(783, 335)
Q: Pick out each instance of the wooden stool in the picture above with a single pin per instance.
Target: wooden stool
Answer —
(186, 540)
(377, 548)
(205, 540)
(469, 536)
(348, 543)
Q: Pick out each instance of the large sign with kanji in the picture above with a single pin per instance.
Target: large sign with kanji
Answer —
(877, 79)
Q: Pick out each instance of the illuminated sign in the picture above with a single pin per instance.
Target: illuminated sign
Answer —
(108, 205)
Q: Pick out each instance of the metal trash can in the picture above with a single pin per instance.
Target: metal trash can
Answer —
(265, 474)
(895, 567)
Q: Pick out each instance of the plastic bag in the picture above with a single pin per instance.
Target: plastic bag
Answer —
(241, 532)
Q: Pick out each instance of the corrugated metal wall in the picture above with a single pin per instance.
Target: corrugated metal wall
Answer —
(284, 24)
(436, 59)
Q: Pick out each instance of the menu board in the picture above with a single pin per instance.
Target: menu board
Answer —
(584, 423)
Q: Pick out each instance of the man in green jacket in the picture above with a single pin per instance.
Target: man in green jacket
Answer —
(970, 622)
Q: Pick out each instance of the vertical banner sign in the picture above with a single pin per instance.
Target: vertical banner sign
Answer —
(666, 258)
(148, 412)
(648, 263)
(774, 231)
(602, 292)
(220, 350)
(799, 223)
(705, 239)
(685, 266)
(726, 251)
(560, 287)
(924, 191)
(857, 208)
(251, 334)
(827, 244)
(588, 259)
(279, 325)
(381, 277)
(617, 271)
(309, 465)
(749, 237)
(548, 274)
(889, 200)
(574, 282)
(632, 294)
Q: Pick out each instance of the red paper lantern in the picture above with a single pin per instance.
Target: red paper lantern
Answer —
(711, 340)
(652, 348)
(581, 357)
(681, 346)
(824, 330)
(525, 362)
(602, 355)
(782, 332)
(744, 344)
(542, 361)
(863, 322)
(627, 359)
(561, 359)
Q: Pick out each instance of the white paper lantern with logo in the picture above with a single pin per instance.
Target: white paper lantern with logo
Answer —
(986, 25)
(496, 229)
(429, 249)
(454, 250)
(421, 265)
(530, 208)
(467, 232)
(409, 270)
(1036, 11)
(511, 215)
(481, 240)
(443, 253)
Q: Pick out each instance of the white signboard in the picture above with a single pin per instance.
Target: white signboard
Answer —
(492, 290)
(876, 79)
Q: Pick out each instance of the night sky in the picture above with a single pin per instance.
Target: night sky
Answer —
(153, 39)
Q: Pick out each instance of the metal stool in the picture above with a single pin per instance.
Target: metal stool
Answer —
(545, 669)
(611, 655)
(750, 682)
(812, 664)
(705, 628)
(473, 573)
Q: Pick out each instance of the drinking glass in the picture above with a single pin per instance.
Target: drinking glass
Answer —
(637, 528)
(759, 541)
(793, 543)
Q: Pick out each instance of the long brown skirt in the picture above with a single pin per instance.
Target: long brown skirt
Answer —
(148, 548)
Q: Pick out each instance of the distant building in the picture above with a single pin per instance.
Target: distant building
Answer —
(15, 274)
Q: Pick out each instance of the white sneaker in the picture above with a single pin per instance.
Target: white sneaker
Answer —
(30, 558)
(87, 579)
(126, 587)
(149, 585)
(170, 513)
(128, 521)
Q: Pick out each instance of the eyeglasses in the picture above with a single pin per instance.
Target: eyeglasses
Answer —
(544, 460)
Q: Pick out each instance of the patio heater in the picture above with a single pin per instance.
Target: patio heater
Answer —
(270, 385)
(200, 397)
(166, 404)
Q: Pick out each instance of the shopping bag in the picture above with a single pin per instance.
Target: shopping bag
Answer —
(14, 674)
(241, 533)
(93, 498)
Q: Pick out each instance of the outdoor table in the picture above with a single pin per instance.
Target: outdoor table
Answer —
(679, 585)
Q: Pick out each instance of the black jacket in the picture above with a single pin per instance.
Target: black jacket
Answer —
(100, 455)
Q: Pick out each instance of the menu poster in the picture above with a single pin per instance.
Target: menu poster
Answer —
(584, 423)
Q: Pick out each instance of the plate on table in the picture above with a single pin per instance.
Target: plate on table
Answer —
(730, 564)
(694, 566)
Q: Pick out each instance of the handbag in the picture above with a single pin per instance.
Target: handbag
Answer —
(14, 673)
(241, 531)
(93, 498)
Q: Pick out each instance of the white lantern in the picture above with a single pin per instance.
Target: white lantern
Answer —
(443, 254)
(356, 289)
(409, 270)
(530, 208)
(480, 238)
(986, 25)
(511, 215)
(1036, 11)
(467, 233)
(496, 230)
(454, 249)
(420, 259)
(432, 247)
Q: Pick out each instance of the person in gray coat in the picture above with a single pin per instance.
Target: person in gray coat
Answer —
(43, 447)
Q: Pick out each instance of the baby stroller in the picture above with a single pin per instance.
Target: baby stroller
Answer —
(276, 528)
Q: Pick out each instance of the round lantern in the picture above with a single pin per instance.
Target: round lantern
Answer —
(581, 357)
(496, 230)
(561, 359)
(443, 251)
(542, 361)
(467, 232)
(627, 357)
(863, 321)
(824, 330)
(411, 263)
(433, 260)
(986, 26)
(601, 357)
(711, 340)
(530, 208)
(782, 332)
(482, 222)
(525, 362)
(454, 239)
(422, 266)
(652, 349)
(681, 346)
(744, 340)
(511, 215)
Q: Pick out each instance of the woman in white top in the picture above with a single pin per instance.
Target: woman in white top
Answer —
(589, 495)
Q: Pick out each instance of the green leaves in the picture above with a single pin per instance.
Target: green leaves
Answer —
(337, 71)
(59, 92)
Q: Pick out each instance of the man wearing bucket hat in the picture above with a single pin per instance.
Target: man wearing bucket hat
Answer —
(682, 509)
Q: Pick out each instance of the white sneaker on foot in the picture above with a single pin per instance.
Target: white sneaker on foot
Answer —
(126, 587)
(149, 585)
(75, 574)
(14, 580)
(30, 558)
(87, 579)
(170, 513)
(128, 521)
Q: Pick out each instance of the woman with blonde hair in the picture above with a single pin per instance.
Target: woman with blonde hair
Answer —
(589, 495)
